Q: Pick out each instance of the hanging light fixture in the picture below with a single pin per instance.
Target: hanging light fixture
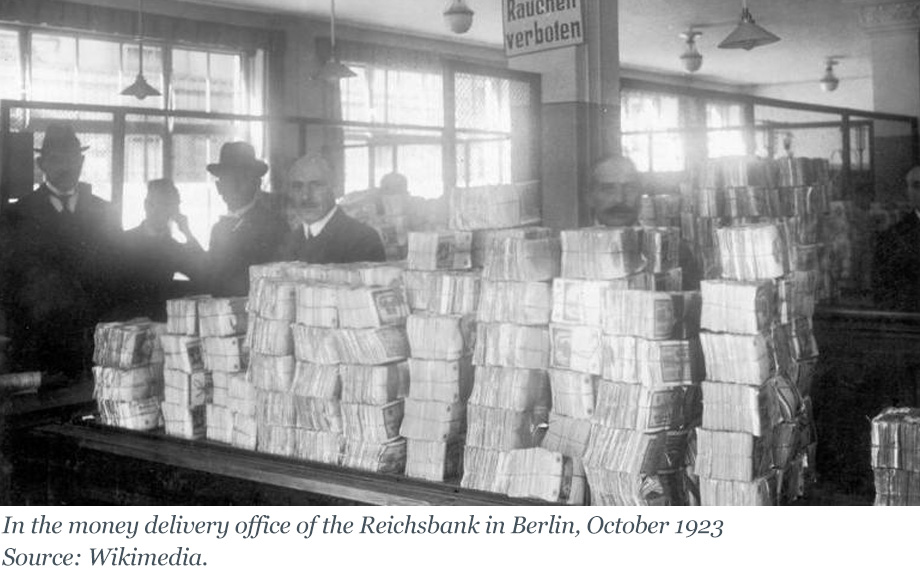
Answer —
(333, 70)
(691, 57)
(458, 17)
(140, 88)
(748, 35)
(829, 81)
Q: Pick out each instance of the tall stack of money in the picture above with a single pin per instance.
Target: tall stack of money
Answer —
(128, 374)
(441, 329)
(222, 325)
(756, 432)
(647, 397)
(269, 426)
(896, 457)
(188, 385)
(372, 347)
(509, 405)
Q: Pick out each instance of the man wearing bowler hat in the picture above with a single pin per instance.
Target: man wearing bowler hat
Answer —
(59, 268)
(251, 231)
(323, 233)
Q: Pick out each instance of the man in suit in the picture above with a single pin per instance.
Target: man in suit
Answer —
(614, 198)
(58, 272)
(323, 233)
(252, 230)
(896, 281)
(154, 256)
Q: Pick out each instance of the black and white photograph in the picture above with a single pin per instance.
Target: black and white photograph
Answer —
(468, 253)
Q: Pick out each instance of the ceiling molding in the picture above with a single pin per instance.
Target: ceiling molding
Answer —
(891, 16)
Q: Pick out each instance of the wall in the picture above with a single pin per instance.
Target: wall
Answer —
(856, 93)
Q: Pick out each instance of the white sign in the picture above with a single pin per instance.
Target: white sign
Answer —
(536, 25)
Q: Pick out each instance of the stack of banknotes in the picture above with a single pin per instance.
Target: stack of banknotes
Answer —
(128, 374)
(895, 457)
(495, 206)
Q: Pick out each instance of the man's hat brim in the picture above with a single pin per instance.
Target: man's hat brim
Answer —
(43, 151)
(257, 168)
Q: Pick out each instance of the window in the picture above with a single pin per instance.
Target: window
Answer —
(650, 126)
(10, 65)
(391, 96)
(725, 132)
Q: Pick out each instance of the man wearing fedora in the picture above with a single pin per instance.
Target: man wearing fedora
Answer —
(322, 233)
(251, 231)
(59, 277)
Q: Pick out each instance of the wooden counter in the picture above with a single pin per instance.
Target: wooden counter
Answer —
(87, 463)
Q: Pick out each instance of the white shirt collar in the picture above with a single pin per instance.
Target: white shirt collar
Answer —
(317, 227)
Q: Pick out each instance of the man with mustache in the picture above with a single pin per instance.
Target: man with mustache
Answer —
(59, 273)
(322, 233)
(615, 199)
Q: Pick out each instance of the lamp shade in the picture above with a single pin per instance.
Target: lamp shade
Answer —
(333, 71)
(829, 82)
(748, 35)
(458, 16)
(140, 89)
(691, 58)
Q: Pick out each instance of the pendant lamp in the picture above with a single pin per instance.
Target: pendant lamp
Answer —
(140, 88)
(333, 70)
(748, 35)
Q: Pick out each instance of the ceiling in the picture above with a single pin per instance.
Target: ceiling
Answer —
(810, 31)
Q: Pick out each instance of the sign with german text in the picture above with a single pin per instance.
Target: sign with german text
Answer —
(537, 25)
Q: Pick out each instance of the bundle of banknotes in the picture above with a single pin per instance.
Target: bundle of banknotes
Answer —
(896, 439)
(651, 362)
(441, 337)
(479, 466)
(601, 253)
(753, 252)
(512, 345)
(377, 384)
(317, 305)
(527, 259)
(440, 292)
(434, 460)
(128, 374)
(434, 421)
(661, 248)
(484, 238)
(221, 317)
(754, 410)
(495, 206)
(540, 474)
(184, 421)
(128, 344)
(443, 250)
(739, 307)
(566, 435)
(652, 315)
(182, 315)
(384, 457)
(371, 307)
(761, 491)
(124, 385)
(737, 456)
(525, 303)
(637, 407)
(738, 358)
(441, 380)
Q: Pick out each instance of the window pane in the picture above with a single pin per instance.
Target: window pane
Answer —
(226, 88)
(483, 102)
(10, 69)
(383, 162)
(421, 165)
(54, 68)
(99, 77)
(722, 143)
(414, 98)
(667, 153)
(636, 148)
(356, 96)
(189, 81)
(356, 168)
(143, 163)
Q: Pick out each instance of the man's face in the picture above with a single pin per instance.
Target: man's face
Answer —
(62, 170)
(615, 204)
(237, 188)
(161, 208)
(913, 189)
(309, 200)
